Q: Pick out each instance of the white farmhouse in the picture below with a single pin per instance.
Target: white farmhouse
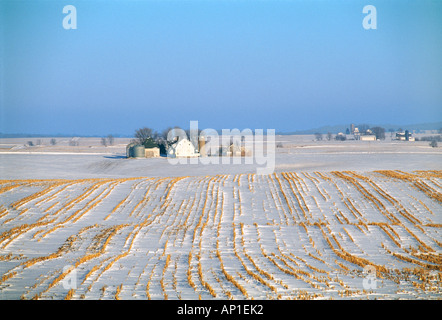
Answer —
(183, 148)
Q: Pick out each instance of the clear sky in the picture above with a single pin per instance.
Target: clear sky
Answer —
(284, 65)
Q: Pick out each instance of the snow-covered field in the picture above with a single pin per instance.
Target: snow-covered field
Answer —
(335, 220)
(298, 153)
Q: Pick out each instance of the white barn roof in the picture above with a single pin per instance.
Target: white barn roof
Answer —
(182, 148)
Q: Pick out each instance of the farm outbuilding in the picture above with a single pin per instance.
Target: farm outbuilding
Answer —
(129, 149)
(404, 136)
(202, 146)
(134, 150)
(183, 148)
(235, 150)
(139, 151)
(152, 152)
(368, 137)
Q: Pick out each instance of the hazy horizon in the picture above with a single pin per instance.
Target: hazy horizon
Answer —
(284, 65)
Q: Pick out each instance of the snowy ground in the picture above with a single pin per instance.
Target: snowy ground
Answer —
(298, 153)
(336, 220)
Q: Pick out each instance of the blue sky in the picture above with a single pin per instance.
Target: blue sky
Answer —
(284, 65)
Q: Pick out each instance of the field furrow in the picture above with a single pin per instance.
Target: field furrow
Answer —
(288, 235)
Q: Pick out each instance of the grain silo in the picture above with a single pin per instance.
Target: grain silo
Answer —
(139, 151)
(202, 146)
(129, 150)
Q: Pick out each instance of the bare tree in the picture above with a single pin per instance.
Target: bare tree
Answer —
(162, 140)
(391, 130)
(318, 136)
(143, 134)
(156, 136)
(110, 140)
(164, 133)
(104, 142)
(74, 142)
(176, 132)
(329, 136)
(379, 132)
(363, 127)
(53, 142)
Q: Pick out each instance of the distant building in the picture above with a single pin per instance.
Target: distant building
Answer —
(129, 149)
(152, 152)
(202, 146)
(356, 133)
(368, 137)
(238, 151)
(134, 150)
(404, 136)
(341, 137)
(183, 148)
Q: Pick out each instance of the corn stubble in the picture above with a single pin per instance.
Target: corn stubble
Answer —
(282, 236)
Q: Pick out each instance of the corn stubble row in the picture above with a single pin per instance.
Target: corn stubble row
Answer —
(282, 236)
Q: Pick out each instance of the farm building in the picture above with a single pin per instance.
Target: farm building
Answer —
(152, 152)
(238, 151)
(182, 148)
(404, 136)
(368, 137)
(134, 150)
(234, 150)
(202, 146)
(129, 149)
(149, 149)
(364, 136)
